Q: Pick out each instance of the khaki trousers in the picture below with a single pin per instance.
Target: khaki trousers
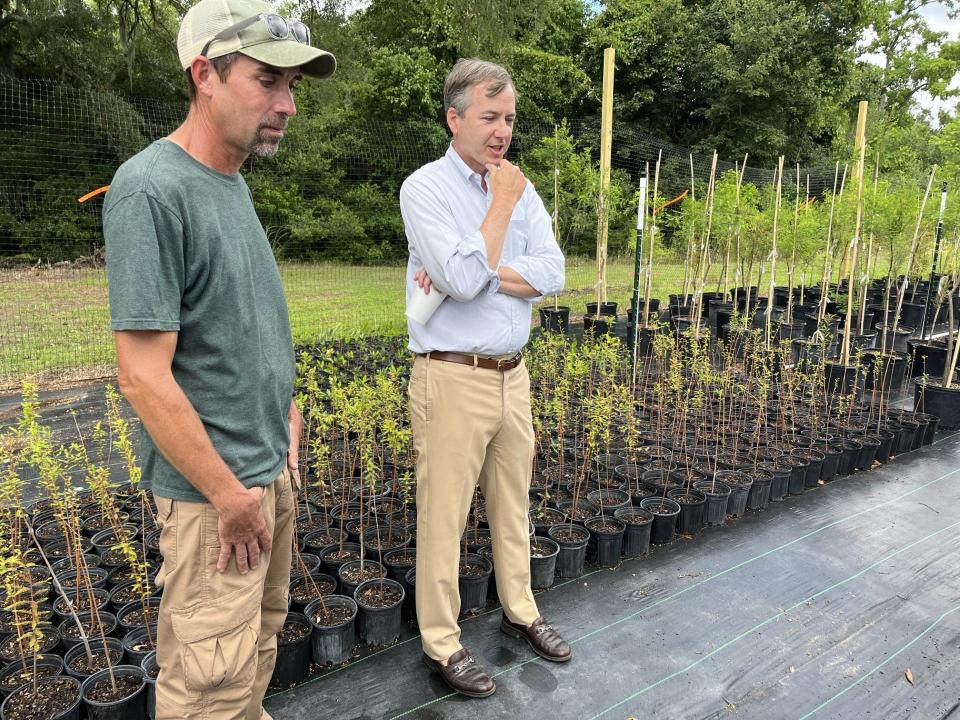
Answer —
(469, 424)
(217, 632)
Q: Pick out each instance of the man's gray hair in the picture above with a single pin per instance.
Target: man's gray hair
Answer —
(469, 72)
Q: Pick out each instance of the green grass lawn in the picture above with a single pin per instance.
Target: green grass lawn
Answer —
(56, 323)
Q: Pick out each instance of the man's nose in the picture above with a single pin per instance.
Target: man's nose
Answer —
(285, 104)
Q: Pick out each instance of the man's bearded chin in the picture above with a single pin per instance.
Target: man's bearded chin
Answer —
(263, 145)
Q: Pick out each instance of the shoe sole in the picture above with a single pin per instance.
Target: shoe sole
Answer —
(431, 663)
(513, 632)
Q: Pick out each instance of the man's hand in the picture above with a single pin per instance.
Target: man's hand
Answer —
(242, 530)
(423, 280)
(507, 183)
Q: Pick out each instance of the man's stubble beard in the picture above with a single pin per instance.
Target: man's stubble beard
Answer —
(262, 146)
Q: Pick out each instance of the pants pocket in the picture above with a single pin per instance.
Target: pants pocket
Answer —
(218, 639)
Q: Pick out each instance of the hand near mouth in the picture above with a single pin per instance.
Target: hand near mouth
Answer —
(507, 182)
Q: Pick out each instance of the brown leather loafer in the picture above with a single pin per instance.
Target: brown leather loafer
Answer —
(463, 674)
(545, 641)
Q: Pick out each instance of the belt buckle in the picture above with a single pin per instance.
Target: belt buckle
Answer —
(515, 360)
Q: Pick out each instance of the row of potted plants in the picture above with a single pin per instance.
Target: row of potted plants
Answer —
(627, 456)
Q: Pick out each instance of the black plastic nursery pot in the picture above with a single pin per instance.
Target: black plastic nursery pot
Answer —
(693, 510)
(716, 495)
(665, 513)
(544, 518)
(70, 634)
(139, 643)
(555, 319)
(294, 652)
(307, 588)
(780, 481)
(798, 474)
(759, 496)
(896, 342)
(606, 540)
(66, 706)
(850, 449)
(474, 577)
(831, 462)
(868, 451)
(13, 674)
(607, 309)
(399, 562)
(77, 664)
(930, 432)
(935, 399)
(840, 379)
(599, 325)
(908, 435)
(48, 644)
(349, 578)
(887, 438)
(543, 562)
(333, 556)
(381, 605)
(886, 374)
(151, 669)
(636, 536)
(333, 634)
(927, 358)
(739, 484)
(130, 702)
(814, 469)
(572, 540)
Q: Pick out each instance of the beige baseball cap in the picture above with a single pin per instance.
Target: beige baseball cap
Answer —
(208, 18)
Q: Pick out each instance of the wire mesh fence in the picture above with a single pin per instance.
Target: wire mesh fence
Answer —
(328, 204)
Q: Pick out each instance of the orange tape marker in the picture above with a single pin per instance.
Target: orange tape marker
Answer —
(93, 193)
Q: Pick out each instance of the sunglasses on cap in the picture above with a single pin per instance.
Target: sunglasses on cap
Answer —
(278, 27)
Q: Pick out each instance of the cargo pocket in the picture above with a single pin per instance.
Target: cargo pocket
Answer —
(218, 639)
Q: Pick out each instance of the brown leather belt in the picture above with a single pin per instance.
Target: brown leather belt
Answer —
(478, 360)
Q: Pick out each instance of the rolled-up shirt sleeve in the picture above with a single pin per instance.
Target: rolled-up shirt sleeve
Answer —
(542, 263)
(456, 263)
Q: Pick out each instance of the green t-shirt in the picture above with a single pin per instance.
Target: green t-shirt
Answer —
(186, 253)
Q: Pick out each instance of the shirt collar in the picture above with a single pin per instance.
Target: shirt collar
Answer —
(464, 170)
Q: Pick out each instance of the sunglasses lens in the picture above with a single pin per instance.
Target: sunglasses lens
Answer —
(277, 26)
(301, 33)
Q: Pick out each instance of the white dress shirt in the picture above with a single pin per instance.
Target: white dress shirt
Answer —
(443, 205)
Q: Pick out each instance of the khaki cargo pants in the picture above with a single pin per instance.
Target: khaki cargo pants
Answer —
(217, 634)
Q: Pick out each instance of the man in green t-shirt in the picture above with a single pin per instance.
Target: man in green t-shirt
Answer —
(206, 357)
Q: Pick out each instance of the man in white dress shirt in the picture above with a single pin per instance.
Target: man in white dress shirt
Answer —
(479, 233)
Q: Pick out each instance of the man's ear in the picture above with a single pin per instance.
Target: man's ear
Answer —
(453, 120)
(201, 69)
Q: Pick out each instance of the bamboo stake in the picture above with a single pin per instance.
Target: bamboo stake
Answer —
(687, 262)
(868, 270)
(773, 251)
(793, 251)
(902, 291)
(825, 289)
(606, 144)
(737, 271)
(861, 146)
(556, 193)
(703, 264)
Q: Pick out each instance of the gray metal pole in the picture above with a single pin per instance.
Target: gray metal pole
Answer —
(936, 257)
